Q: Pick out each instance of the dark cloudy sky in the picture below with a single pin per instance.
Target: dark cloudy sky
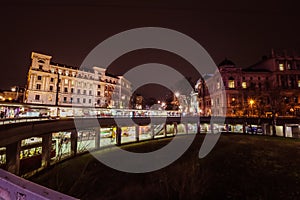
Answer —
(69, 30)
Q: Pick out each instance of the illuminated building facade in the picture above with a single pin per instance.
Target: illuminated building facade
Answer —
(269, 87)
(56, 84)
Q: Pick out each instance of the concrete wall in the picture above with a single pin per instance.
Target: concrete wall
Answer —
(14, 187)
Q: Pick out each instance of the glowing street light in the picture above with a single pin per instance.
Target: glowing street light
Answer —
(177, 94)
(251, 102)
(15, 89)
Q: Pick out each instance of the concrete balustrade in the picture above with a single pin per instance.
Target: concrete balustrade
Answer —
(14, 187)
(15, 134)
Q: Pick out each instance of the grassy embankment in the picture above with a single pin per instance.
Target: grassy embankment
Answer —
(239, 167)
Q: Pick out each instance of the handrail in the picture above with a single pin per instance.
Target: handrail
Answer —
(14, 187)
(21, 119)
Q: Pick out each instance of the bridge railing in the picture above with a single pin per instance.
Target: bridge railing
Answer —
(14, 187)
(42, 118)
(21, 119)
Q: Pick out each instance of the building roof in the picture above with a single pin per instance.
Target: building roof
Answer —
(227, 63)
(111, 75)
(63, 65)
(249, 69)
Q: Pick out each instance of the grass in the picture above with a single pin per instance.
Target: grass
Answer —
(239, 167)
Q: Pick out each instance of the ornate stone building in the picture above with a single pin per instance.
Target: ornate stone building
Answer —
(51, 83)
(269, 87)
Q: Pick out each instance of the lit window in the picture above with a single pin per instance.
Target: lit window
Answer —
(59, 71)
(231, 83)
(281, 67)
(67, 73)
(72, 82)
(66, 81)
(218, 85)
(244, 85)
(52, 71)
(299, 83)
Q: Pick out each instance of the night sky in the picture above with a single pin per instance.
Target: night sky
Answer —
(69, 30)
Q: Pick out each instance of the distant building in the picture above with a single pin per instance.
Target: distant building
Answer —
(16, 94)
(269, 87)
(56, 84)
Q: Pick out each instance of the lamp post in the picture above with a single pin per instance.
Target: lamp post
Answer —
(57, 89)
(292, 111)
(251, 102)
(15, 89)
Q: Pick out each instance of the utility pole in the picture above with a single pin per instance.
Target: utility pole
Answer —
(57, 89)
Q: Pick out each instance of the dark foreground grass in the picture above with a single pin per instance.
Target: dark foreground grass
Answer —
(239, 167)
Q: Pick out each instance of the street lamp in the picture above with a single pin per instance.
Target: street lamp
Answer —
(292, 111)
(251, 102)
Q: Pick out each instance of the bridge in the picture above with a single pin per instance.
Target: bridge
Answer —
(14, 131)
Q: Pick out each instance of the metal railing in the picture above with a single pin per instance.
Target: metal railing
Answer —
(22, 119)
